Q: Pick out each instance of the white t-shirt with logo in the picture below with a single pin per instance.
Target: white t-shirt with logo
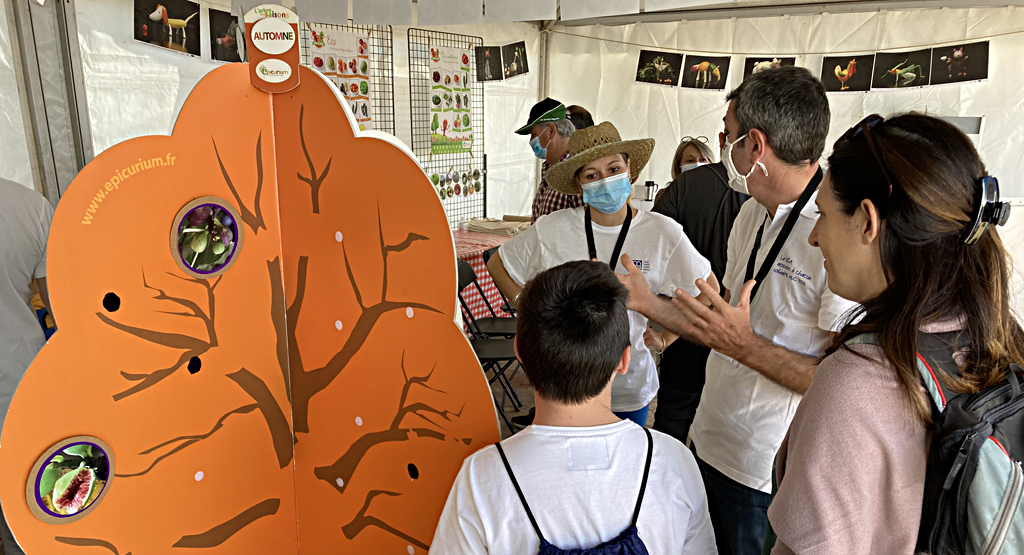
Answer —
(24, 227)
(743, 416)
(581, 485)
(657, 246)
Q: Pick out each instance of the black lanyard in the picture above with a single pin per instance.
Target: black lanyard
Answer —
(618, 242)
(787, 228)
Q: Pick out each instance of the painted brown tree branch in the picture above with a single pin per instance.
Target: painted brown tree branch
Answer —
(279, 317)
(314, 181)
(277, 424)
(362, 521)
(88, 542)
(252, 218)
(306, 384)
(222, 532)
(339, 474)
(190, 346)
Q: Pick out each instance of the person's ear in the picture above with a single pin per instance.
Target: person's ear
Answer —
(758, 141)
(623, 365)
(515, 349)
(869, 221)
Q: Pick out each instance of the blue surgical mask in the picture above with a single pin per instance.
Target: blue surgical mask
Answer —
(608, 195)
(687, 167)
(539, 151)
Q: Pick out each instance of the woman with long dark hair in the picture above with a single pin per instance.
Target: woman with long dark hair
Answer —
(899, 230)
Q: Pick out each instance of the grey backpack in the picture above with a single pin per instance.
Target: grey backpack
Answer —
(973, 501)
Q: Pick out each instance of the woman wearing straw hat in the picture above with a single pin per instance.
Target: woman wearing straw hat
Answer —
(601, 168)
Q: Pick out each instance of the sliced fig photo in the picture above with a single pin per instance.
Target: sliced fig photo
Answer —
(73, 490)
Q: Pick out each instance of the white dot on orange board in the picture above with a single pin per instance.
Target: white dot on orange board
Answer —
(337, 236)
(410, 550)
(408, 312)
(337, 325)
(359, 421)
(199, 476)
(340, 482)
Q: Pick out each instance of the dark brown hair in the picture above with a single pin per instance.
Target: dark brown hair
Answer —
(572, 328)
(932, 275)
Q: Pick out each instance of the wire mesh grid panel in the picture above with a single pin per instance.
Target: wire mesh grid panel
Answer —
(464, 196)
(382, 68)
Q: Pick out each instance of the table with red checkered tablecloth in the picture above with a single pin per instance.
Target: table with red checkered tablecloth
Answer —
(470, 246)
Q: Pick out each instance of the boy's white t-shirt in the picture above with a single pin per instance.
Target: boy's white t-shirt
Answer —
(657, 246)
(581, 485)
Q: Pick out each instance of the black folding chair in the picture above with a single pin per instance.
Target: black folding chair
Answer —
(496, 354)
(506, 306)
(489, 326)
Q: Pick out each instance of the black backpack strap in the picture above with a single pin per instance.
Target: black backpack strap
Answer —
(522, 498)
(647, 471)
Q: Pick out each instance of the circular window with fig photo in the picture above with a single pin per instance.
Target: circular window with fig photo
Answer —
(205, 237)
(70, 480)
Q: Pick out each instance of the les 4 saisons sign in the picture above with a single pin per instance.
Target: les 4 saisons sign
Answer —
(273, 34)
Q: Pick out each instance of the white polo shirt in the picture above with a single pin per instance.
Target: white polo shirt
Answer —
(657, 246)
(743, 416)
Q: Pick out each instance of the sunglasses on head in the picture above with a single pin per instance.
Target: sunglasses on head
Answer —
(688, 138)
(863, 129)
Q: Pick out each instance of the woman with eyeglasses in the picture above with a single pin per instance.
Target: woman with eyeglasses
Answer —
(692, 152)
(904, 232)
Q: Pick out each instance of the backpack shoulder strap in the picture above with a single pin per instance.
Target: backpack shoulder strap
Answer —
(647, 471)
(522, 498)
(928, 373)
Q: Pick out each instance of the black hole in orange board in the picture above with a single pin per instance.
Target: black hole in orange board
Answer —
(111, 302)
(414, 472)
(194, 364)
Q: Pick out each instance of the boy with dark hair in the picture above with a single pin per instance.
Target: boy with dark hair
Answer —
(579, 476)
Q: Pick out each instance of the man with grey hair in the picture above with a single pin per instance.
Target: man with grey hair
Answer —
(765, 346)
(549, 132)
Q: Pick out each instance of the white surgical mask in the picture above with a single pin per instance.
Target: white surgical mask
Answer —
(738, 181)
(687, 167)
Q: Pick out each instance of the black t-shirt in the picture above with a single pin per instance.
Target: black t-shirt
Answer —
(702, 202)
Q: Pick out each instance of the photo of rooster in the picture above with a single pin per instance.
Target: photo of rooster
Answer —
(847, 73)
(171, 24)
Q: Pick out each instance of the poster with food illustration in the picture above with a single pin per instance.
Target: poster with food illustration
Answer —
(451, 125)
(353, 58)
(248, 365)
(322, 54)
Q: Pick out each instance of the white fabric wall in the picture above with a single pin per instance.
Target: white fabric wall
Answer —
(14, 159)
(133, 88)
(600, 75)
(137, 89)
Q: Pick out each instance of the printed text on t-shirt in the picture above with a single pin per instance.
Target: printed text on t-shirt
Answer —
(784, 267)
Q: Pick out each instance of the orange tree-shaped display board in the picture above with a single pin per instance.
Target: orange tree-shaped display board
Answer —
(306, 392)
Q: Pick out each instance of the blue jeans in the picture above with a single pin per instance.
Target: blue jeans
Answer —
(739, 514)
(639, 416)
